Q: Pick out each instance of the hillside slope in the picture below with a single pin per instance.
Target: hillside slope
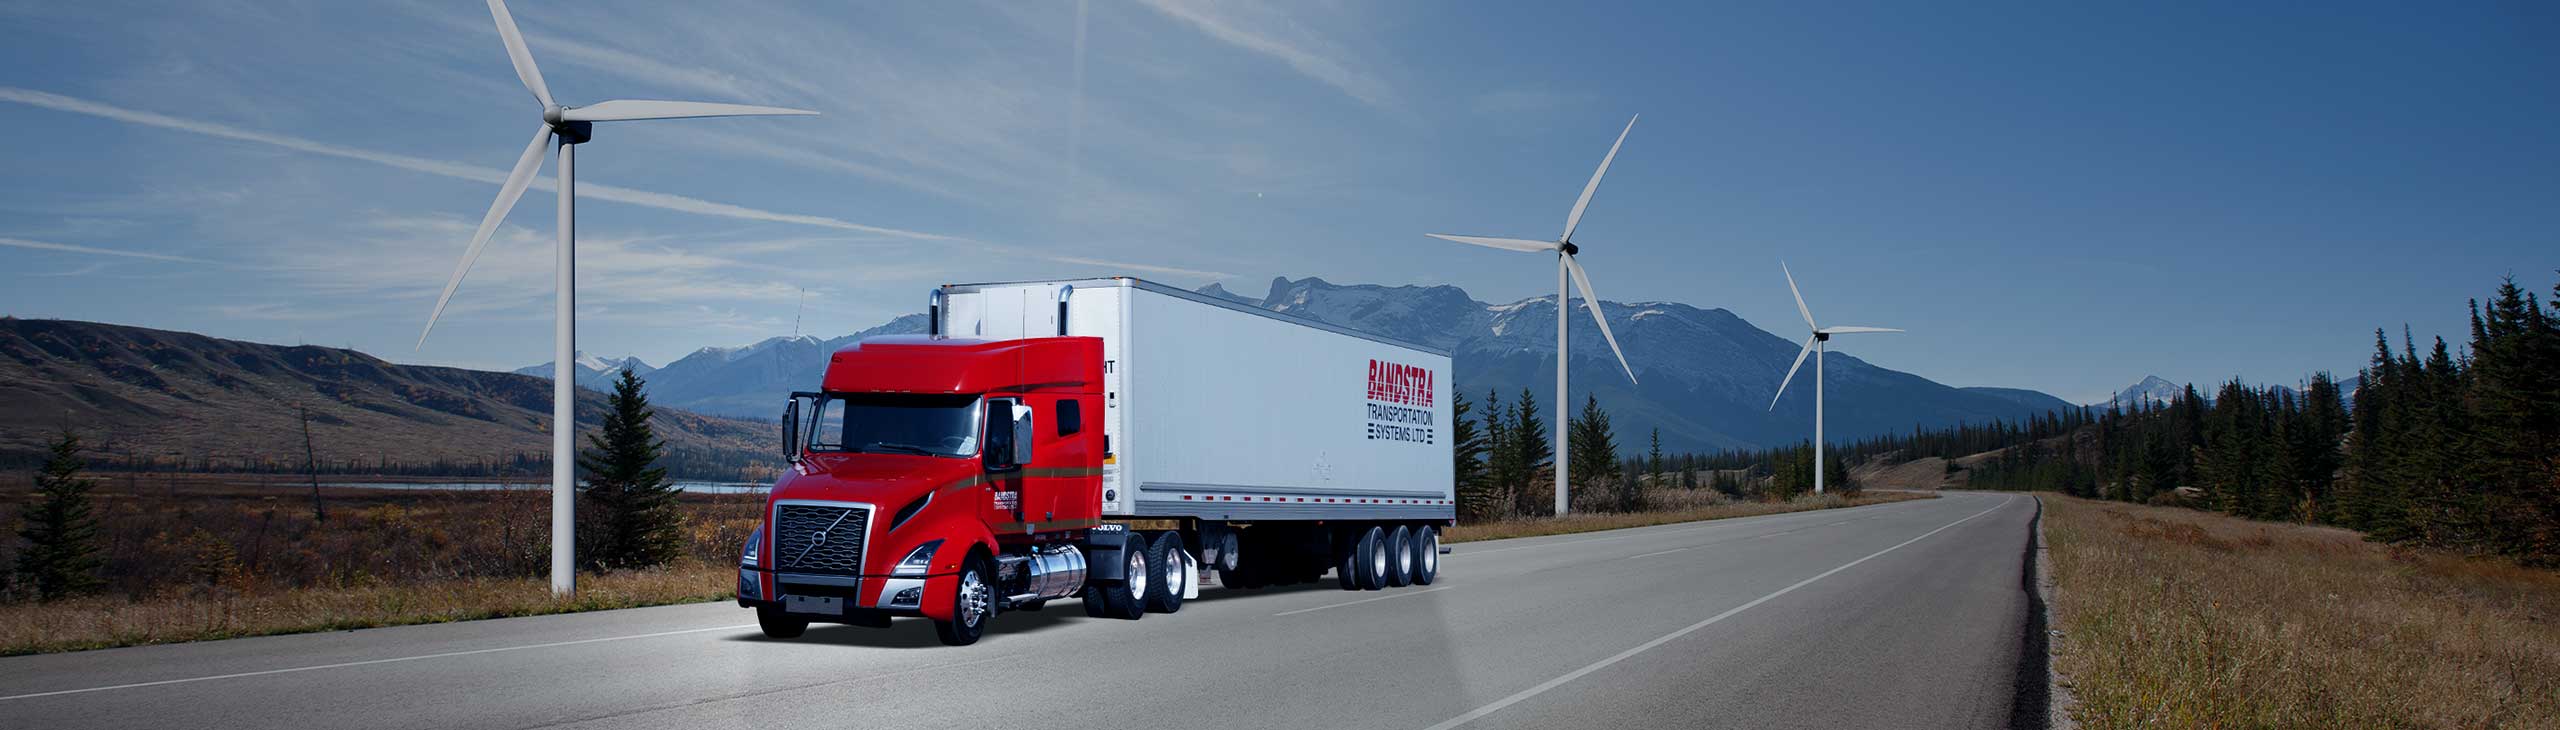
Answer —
(180, 399)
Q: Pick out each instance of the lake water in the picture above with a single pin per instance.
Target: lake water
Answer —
(700, 487)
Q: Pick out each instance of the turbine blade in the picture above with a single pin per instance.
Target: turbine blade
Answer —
(1791, 289)
(1575, 219)
(1513, 244)
(1791, 373)
(517, 53)
(1591, 299)
(628, 109)
(1854, 330)
(526, 165)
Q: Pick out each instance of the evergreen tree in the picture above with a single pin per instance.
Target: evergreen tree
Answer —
(1503, 471)
(636, 523)
(1594, 445)
(1532, 454)
(61, 558)
(1653, 455)
(1467, 448)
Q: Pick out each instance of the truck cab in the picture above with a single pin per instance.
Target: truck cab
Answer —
(920, 457)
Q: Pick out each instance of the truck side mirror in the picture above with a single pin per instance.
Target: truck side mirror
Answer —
(791, 430)
(1022, 434)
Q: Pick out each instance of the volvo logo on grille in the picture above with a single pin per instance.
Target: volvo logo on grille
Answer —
(820, 538)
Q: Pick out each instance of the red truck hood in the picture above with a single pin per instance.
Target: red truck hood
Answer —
(886, 481)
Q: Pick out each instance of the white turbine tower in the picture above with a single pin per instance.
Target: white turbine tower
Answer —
(1813, 345)
(571, 126)
(1565, 266)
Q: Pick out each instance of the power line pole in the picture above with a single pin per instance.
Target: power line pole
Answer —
(311, 465)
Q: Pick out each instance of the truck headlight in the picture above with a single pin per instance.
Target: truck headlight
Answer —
(919, 562)
(754, 540)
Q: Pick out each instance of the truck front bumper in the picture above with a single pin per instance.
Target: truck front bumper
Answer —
(895, 595)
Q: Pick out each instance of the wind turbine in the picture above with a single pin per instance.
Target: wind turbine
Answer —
(1565, 266)
(1813, 345)
(570, 126)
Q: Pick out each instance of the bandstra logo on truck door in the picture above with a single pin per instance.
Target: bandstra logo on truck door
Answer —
(1400, 402)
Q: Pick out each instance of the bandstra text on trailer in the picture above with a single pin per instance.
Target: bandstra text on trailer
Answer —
(1111, 440)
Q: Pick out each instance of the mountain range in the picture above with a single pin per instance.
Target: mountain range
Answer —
(594, 373)
(1706, 374)
(162, 399)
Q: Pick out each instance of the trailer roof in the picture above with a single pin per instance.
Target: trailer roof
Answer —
(1132, 282)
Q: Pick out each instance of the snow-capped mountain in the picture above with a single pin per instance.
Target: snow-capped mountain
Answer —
(1707, 374)
(2153, 390)
(594, 372)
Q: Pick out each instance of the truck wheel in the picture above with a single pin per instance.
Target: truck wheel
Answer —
(971, 606)
(1346, 562)
(1165, 588)
(779, 625)
(1125, 599)
(1426, 555)
(1399, 557)
(1373, 559)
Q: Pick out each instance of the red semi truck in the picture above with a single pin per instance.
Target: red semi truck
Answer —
(1110, 440)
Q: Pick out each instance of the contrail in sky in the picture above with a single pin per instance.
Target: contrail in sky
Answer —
(661, 201)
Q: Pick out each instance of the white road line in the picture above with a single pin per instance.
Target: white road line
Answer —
(1516, 698)
(342, 665)
(1665, 552)
(1364, 600)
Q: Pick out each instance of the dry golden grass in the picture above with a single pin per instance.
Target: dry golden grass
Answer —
(2177, 618)
(1671, 505)
(221, 613)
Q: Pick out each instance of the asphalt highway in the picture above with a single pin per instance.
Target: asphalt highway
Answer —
(1902, 615)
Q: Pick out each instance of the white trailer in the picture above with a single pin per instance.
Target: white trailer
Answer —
(1222, 411)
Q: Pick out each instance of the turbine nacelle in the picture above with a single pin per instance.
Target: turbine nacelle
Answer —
(566, 125)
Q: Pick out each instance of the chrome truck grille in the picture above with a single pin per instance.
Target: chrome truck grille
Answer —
(824, 539)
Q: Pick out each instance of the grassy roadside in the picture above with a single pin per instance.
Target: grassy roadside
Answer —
(232, 607)
(103, 622)
(2178, 618)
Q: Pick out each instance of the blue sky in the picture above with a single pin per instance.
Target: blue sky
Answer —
(2062, 197)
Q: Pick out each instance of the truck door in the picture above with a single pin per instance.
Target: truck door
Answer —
(1006, 456)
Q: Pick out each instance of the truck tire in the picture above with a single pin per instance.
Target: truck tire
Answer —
(779, 625)
(1426, 555)
(1346, 561)
(1126, 598)
(1372, 556)
(972, 604)
(1165, 588)
(1399, 557)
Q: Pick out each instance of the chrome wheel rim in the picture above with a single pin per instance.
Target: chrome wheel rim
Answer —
(1137, 572)
(1431, 551)
(975, 599)
(1173, 573)
(1378, 555)
(1404, 555)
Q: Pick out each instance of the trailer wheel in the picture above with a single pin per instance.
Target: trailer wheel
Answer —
(1426, 555)
(1125, 599)
(1372, 554)
(1346, 561)
(1399, 557)
(972, 604)
(779, 625)
(1165, 588)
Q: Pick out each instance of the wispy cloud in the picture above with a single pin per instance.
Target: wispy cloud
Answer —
(644, 198)
(1222, 21)
(95, 251)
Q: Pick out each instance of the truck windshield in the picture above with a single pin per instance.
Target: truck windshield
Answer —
(896, 423)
